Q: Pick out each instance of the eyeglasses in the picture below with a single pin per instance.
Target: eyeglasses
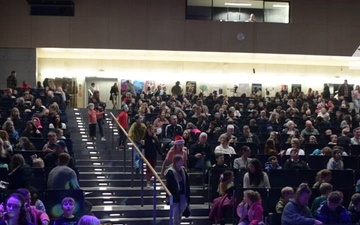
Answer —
(13, 206)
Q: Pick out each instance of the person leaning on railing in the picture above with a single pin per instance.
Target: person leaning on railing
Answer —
(177, 181)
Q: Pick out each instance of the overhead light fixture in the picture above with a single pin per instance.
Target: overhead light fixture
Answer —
(280, 6)
(237, 4)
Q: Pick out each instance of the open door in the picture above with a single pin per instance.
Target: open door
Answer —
(103, 85)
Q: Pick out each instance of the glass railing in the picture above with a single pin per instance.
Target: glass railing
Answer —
(238, 11)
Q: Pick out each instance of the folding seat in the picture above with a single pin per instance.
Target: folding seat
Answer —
(274, 197)
(343, 179)
(355, 150)
(38, 143)
(253, 147)
(309, 148)
(306, 176)
(282, 178)
(39, 181)
(351, 162)
(317, 162)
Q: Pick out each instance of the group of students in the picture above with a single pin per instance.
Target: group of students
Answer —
(293, 207)
(18, 209)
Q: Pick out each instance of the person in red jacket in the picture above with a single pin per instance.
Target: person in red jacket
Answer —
(123, 119)
(25, 85)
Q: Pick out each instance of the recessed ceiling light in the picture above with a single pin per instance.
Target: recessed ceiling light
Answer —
(280, 6)
(237, 4)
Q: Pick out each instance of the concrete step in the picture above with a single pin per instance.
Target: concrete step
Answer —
(136, 200)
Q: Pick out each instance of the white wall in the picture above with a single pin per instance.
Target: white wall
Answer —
(215, 75)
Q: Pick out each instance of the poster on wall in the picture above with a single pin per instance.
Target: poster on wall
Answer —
(244, 89)
(204, 89)
(284, 90)
(149, 86)
(269, 91)
(297, 87)
(123, 87)
(190, 87)
(138, 85)
(232, 90)
(217, 90)
(256, 90)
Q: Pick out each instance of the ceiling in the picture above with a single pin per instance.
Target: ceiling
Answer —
(187, 56)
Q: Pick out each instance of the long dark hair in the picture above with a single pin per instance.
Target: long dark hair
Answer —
(257, 177)
(22, 217)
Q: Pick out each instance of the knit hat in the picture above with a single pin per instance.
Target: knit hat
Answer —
(61, 144)
(179, 140)
(124, 106)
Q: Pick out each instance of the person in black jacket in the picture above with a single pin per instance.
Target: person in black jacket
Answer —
(198, 151)
(177, 181)
(151, 146)
(21, 174)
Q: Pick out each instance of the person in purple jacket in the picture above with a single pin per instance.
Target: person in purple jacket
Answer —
(296, 211)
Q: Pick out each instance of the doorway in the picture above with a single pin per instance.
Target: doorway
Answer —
(103, 85)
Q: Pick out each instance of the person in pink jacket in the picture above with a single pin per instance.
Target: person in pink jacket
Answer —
(250, 210)
(36, 216)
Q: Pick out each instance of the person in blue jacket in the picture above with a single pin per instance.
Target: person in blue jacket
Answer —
(332, 212)
(296, 211)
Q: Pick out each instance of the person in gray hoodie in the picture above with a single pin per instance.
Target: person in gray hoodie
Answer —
(296, 211)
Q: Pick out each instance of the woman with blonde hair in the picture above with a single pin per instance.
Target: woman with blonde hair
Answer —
(8, 126)
(250, 210)
(5, 137)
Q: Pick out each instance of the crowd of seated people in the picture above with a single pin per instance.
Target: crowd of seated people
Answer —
(35, 148)
(292, 131)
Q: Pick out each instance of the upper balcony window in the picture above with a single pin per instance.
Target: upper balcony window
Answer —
(238, 11)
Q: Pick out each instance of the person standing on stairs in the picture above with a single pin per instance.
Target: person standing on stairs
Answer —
(177, 149)
(137, 133)
(114, 93)
(99, 106)
(177, 181)
(123, 119)
(151, 147)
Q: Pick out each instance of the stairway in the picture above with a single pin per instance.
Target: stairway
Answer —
(106, 179)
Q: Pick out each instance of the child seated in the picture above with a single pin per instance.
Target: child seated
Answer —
(354, 208)
(286, 194)
(325, 189)
(226, 182)
(68, 218)
(219, 157)
(332, 212)
(250, 210)
(272, 164)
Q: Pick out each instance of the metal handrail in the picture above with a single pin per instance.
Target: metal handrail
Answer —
(157, 177)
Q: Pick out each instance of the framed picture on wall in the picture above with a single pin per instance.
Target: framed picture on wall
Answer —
(149, 86)
(256, 90)
(123, 87)
(284, 89)
(138, 85)
(296, 86)
(244, 89)
(190, 87)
